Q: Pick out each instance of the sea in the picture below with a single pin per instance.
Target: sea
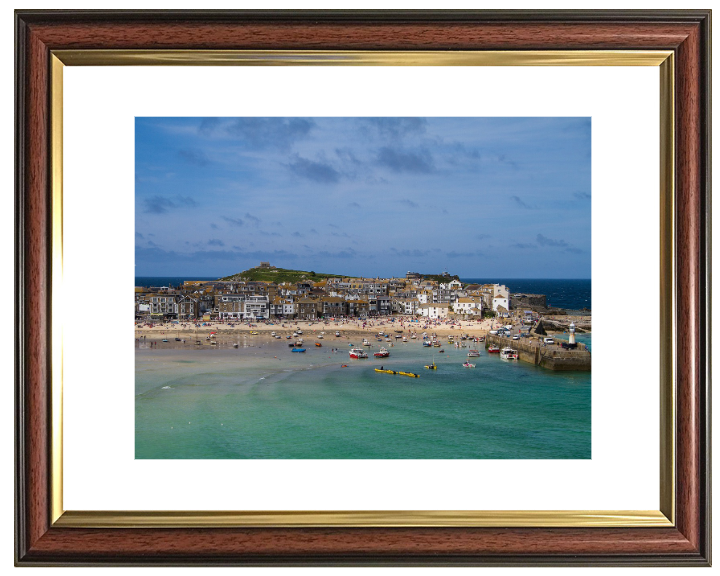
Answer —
(262, 401)
(569, 294)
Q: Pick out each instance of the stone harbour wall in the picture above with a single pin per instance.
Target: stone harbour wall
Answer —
(552, 357)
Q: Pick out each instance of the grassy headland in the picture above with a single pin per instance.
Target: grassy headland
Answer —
(279, 275)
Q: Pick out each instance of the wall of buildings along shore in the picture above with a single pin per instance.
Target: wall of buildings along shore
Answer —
(551, 357)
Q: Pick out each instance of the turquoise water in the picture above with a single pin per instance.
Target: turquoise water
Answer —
(266, 402)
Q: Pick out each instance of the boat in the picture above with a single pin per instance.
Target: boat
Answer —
(298, 331)
(436, 344)
(413, 337)
(164, 339)
(410, 374)
(382, 354)
(292, 344)
(441, 351)
(288, 336)
(493, 349)
(236, 345)
(508, 354)
(253, 333)
(365, 342)
(337, 334)
(468, 365)
(318, 344)
(404, 338)
(198, 342)
(473, 353)
(298, 350)
(272, 333)
(481, 339)
(213, 343)
(358, 353)
(427, 344)
(432, 366)
(320, 336)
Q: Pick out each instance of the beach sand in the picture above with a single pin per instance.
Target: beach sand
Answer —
(311, 329)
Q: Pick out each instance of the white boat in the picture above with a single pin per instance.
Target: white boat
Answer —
(358, 353)
(413, 337)
(299, 331)
(508, 354)
(272, 333)
(404, 338)
(365, 342)
(467, 364)
(337, 334)
(473, 353)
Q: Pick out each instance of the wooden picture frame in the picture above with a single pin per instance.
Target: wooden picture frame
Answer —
(45, 535)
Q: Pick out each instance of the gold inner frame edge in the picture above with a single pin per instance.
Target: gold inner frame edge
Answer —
(664, 517)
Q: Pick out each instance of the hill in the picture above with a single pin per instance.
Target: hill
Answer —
(440, 278)
(279, 275)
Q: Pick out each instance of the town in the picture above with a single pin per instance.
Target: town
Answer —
(439, 298)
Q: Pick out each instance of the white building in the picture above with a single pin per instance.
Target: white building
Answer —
(434, 311)
(501, 300)
(468, 306)
(256, 307)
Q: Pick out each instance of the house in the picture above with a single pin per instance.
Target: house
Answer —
(188, 307)
(434, 311)
(256, 308)
(230, 306)
(501, 300)
(163, 305)
(468, 306)
(307, 309)
(333, 306)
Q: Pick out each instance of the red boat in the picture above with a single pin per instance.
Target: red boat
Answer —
(494, 349)
(382, 354)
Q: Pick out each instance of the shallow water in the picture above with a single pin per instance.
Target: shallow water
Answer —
(267, 402)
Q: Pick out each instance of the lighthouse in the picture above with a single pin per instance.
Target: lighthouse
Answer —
(571, 329)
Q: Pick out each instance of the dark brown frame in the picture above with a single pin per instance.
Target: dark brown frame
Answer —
(687, 33)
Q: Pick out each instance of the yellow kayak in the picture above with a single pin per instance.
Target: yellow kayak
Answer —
(410, 374)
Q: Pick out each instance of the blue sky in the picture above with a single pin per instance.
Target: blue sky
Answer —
(478, 197)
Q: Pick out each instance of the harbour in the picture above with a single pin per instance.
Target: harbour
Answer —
(262, 401)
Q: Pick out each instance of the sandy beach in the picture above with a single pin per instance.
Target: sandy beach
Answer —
(311, 329)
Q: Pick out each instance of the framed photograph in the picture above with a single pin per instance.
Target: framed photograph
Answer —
(362, 288)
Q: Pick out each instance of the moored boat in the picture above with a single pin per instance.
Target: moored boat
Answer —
(494, 349)
(358, 353)
(472, 353)
(508, 354)
(382, 354)
(467, 364)
(298, 349)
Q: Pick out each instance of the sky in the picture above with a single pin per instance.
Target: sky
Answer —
(477, 197)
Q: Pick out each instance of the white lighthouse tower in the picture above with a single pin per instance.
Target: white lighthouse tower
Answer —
(571, 329)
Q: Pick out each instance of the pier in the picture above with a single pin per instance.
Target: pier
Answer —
(550, 356)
